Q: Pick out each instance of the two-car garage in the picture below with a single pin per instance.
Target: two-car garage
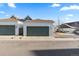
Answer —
(31, 30)
(37, 31)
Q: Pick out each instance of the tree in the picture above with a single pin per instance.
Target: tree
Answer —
(13, 17)
(28, 18)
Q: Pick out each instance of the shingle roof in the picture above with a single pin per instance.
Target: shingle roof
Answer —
(8, 19)
(28, 18)
(12, 18)
(41, 20)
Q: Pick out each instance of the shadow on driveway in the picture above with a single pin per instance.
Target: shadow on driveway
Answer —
(57, 52)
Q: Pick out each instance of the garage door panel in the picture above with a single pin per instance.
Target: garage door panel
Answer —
(38, 31)
(7, 30)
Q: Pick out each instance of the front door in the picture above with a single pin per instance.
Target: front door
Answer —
(21, 31)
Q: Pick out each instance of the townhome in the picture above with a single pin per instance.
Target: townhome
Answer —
(26, 27)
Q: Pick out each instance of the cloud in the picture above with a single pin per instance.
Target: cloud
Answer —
(71, 7)
(70, 15)
(6, 15)
(55, 5)
(2, 12)
(18, 16)
(67, 18)
(12, 5)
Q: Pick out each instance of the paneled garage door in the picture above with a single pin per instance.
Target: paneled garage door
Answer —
(37, 31)
(7, 30)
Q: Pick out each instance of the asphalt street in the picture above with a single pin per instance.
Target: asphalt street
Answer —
(39, 48)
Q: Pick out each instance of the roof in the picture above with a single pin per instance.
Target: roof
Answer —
(41, 20)
(49, 21)
(8, 19)
(74, 24)
(28, 18)
(14, 20)
(63, 26)
(11, 19)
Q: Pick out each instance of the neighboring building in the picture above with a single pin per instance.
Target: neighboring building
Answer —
(73, 24)
(26, 27)
(69, 27)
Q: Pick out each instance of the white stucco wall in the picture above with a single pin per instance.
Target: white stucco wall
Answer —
(7, 23)
(50, 25)
(25, 24)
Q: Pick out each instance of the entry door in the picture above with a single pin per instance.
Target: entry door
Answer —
(21, 31)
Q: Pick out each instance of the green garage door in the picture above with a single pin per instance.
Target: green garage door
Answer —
(7, 30)
(37, 31)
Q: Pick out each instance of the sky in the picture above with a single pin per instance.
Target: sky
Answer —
(63, 12)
